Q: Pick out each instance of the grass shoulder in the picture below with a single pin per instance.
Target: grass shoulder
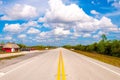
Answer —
(10, 57)
(104, 58)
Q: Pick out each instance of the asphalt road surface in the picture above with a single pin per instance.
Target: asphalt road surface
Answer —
(60, 64)
(7, 62)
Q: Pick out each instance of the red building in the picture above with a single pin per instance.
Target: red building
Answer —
(10, 47)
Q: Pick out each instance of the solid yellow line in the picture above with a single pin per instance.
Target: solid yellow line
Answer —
(63, 69)
(61, 65)
(58, 73)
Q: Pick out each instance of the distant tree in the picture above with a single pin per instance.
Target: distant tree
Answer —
(115, 48)
(67, 46)
(104, 38)
(22, 45)
(92, 47)
(107, 47)
(101, 47)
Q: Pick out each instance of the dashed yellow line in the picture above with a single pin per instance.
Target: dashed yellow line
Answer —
(61, 70)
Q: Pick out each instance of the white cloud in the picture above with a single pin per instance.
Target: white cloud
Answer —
(42, 34)
(8, 38)
(61, 31)
(15, 28)
(19, 11)
(106, 25)
(73, 17)
(115, 13)
(101, 32)
(33, 31)
(21, 36)
(12, 28)
(65, 22)
(59, 12)
(116, 4)
(94, 12)
(86, 35)
(41, 5)
(31, 24)
(96, 36)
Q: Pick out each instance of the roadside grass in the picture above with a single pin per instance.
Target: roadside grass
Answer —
(104, 58)
(11, 57)
(2, 52)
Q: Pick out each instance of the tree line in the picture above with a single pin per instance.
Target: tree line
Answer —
(104, 46)
(36, 47)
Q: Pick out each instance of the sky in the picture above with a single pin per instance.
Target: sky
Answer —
(59, 22)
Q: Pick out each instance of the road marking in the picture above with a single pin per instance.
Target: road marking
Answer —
(61, 68)
(103, 67)
(2, 74)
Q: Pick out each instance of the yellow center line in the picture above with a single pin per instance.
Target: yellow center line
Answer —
(61, 68)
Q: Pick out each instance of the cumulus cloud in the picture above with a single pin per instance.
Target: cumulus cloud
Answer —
(72, 17)
(59, 12)
(17, 28)
(116, 13)
(61, 31)
(96, 36)
(19, 11)
(94, 12)
(116, 4)
(63, 22)
(86, 35)
(33, 31)
(12, 28)
(21, 36)
(107, 25)
(8, 38)
(31, 24)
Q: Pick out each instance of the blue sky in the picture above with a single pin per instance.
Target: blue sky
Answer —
(59, 22)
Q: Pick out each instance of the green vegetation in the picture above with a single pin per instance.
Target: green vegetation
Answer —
(107, 51)
(41, 47)
(37, 47)
(106, 47)
(22, 45)
(104, 58)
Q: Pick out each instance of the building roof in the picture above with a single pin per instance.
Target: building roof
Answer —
(11, 45)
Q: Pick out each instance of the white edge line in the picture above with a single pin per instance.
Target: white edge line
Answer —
(102, 66)
(3, 74)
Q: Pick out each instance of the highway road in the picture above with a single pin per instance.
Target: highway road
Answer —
(60, 64)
